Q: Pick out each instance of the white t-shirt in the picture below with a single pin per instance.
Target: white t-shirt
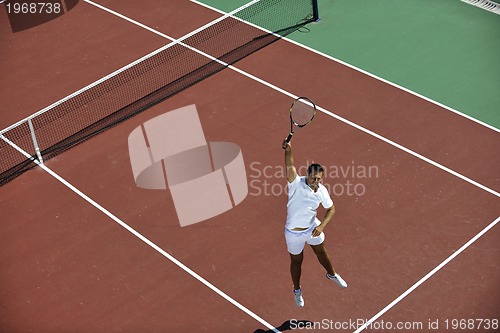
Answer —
(303, 202)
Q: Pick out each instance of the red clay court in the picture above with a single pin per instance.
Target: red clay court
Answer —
(86, 250)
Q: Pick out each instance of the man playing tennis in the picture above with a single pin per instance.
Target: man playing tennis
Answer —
(302, 226)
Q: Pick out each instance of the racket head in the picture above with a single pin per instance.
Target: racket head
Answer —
(302, 111)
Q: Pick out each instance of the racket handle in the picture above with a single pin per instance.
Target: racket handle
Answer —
(287, 140)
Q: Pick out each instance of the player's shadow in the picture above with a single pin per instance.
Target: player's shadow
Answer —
(287, 326)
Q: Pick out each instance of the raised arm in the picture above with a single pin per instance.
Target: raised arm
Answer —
(291, 172)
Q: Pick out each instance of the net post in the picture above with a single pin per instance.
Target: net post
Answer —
(315, 11)
(35, 143)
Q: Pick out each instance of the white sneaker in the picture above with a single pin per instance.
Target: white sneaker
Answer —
(299, 300)
(338, 280)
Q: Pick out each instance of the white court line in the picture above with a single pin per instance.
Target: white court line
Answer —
(123, 224)
(161, 49)
(427, 276)
(361, 128)
(116, 219)
(460, 250)
(395, 145)
(143, 238)
(365, 72)
(378, 136)
(175, 261)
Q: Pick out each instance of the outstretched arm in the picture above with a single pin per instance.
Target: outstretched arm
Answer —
(291, 172)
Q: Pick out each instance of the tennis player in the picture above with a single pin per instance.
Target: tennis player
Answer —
(305, 194)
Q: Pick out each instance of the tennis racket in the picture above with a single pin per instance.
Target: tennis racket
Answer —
(302, 112)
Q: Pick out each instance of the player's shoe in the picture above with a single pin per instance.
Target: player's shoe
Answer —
(299, 300)
(338, 280)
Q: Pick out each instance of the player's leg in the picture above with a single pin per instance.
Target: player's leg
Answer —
(318, 246)
(323, 257)
(296, 271)
(295, 243)
(296, 268)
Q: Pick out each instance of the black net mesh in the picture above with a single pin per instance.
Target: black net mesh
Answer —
(151, 80)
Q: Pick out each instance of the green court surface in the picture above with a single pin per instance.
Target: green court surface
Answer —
(445, 50)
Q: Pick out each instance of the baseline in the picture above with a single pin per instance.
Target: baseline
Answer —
(370, 75)
(427, 276)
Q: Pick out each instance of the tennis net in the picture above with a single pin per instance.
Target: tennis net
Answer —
(148, 81)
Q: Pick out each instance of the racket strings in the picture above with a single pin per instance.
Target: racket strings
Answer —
(302, 113)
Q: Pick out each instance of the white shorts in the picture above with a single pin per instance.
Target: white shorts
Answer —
(296, 240)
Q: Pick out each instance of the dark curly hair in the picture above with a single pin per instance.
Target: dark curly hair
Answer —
(314, 169)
